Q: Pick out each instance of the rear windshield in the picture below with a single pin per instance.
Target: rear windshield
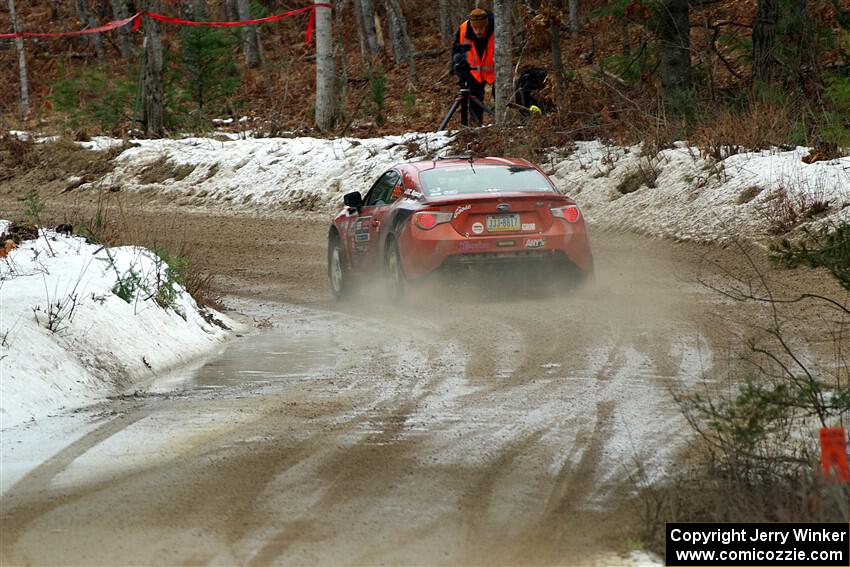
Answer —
(465, 179)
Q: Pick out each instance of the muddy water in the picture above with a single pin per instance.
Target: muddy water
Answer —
(269, 357)
(455, 429)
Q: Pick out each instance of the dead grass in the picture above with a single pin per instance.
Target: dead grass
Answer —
(702, 494)
(749, 194)
(645, 175)
(18, 153)
(40, 164)
(727, 132)
(110, 222)
(786, 210)
(163, 170)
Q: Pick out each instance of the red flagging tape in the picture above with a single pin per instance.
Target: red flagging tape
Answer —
(105, 27)
(136, 20)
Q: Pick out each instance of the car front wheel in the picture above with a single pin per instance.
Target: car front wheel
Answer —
(394, 271)
(337, 272)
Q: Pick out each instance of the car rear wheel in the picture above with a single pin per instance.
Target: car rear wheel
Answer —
(338, 275)
(396, 279)
(574, 277)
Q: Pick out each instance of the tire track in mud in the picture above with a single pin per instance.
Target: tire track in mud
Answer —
(478, 499)
(383, 455)
(32, 496)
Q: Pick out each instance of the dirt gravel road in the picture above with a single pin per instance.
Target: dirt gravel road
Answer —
(466, 427)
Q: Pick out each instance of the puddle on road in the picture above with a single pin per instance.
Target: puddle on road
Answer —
(291, 351)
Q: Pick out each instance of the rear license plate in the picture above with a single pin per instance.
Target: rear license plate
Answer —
(503, 223)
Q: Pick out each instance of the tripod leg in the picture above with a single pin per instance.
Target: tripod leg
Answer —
(449, 115)
(464, 111)
(481, 105)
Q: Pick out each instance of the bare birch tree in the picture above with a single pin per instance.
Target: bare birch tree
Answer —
(250, 36)
(120, 11)
(325, 72)
(152, 101)
(402, 46)
(22, 61)
(89, 21)
(504, 59)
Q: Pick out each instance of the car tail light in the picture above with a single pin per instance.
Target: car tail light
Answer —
(570, 213)
(428, 220)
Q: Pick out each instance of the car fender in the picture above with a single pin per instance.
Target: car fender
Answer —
(396, 224)
(335, 229)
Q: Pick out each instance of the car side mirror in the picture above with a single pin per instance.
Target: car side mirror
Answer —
(353, 200)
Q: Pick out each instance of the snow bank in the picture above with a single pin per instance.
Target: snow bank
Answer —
(287, 173)
(67, 339)
(677, 194)
(695, 198)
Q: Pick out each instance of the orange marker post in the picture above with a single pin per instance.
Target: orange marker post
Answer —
(833, 447)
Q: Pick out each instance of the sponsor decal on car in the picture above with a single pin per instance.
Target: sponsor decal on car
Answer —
(477, 228)
(529, 226)
(472, 246)
(412, 193)
(535, 243)
(460, 210)
(361, 234)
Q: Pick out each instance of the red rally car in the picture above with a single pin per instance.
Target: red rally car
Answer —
(428, 216)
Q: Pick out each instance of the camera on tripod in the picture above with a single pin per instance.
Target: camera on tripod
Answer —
(464, 100)
(460, 64)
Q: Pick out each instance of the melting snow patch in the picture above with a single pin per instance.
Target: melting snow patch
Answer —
(66, 337)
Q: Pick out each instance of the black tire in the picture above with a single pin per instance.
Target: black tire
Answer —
(396, 281)
(338, 274)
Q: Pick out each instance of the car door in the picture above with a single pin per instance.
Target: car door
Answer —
(366, 236)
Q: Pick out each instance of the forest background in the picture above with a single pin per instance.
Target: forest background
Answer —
(723, 74)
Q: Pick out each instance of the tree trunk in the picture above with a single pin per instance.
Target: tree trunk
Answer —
(152, 103)
(325, 72)
(504, 59)
(379, 33)
(120, 11)
(557, 59)
(402, 47)
(22, 61)
(361, 31)
(574, 23)
(399, 47)
(250, 38)
(89, 22)
(231, 11)
(675, 46)
(195, 10)
(341, 53)
(764, 40)
(446, 23)
(368, 18)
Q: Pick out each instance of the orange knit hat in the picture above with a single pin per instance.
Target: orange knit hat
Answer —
(478, 15)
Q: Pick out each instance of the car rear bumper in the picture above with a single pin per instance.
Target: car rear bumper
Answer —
(425, 251)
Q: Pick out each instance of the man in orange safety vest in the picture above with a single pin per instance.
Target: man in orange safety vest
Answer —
(475, 36)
